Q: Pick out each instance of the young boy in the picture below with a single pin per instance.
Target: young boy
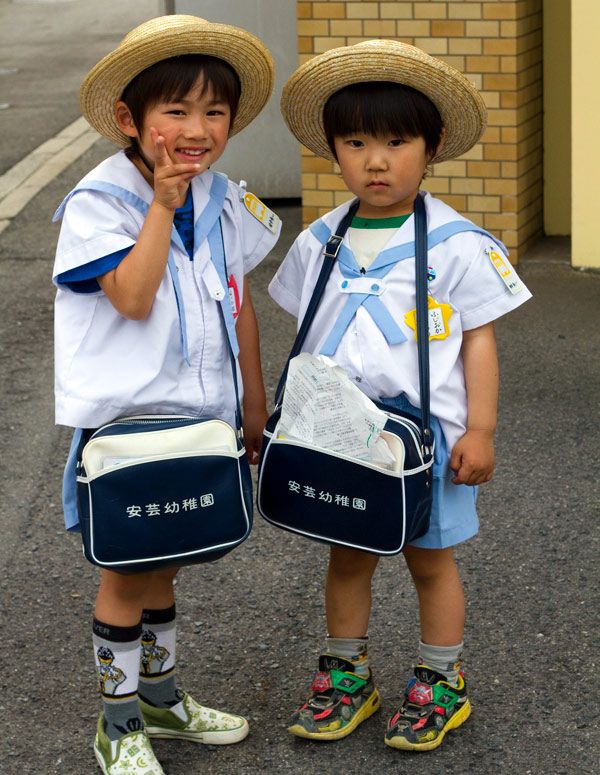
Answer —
(384, 111)
(139, 329)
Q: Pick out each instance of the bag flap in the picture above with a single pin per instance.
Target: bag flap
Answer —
(202, 437)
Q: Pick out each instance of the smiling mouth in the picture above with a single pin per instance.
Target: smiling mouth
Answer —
(195, 153)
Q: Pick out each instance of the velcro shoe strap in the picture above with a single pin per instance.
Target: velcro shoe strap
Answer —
(444, 696)
(348, 683)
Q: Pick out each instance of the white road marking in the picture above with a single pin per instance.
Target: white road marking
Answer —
(28, 177)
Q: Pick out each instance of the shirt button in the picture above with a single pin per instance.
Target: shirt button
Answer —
(345, 284)
(374, 287)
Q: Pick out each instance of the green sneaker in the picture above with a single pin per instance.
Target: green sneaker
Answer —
(340, 700)
(190, 721)
(129, 755)
(431, 707)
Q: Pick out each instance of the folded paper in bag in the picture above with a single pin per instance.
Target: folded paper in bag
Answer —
(321, 406)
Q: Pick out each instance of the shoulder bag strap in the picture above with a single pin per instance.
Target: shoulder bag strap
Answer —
(232, 359)
(422, 317)
(330, 252)
(329, 257)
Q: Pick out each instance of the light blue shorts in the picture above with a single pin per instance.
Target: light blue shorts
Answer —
(69, 485)
(453, 514)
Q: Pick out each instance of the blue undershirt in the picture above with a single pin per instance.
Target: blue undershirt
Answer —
(82, 279)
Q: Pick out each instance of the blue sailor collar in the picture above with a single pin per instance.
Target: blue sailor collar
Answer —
(118, 175)
(114, 177)
(365, 287)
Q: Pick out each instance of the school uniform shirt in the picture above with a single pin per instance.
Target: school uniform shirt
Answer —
(468, 285)
(177, 359)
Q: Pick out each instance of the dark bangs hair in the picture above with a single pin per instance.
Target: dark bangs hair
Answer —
(380, 108)
(171, 79)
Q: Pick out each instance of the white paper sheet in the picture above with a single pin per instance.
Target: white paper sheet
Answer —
(323, 407)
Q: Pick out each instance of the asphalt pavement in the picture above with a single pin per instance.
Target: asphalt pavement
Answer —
(251, 625)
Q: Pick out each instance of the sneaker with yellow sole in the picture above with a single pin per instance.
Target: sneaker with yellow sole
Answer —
(339, 701)
(191, 721)
(432, 706)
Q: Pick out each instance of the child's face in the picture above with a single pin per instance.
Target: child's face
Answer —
(195, 129)
(383, 172)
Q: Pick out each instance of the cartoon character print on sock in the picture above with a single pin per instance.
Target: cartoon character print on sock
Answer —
(153, 657)
(110, 676)
(116, 669)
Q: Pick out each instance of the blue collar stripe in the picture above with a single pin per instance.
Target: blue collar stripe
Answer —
(212, 212)
(391, 256)
(217, 252)
(107, 188)
(180, 307)
(384, 262)
(347, 262)
(141, 206)
(384, 320)
(320, 230)
(457, 227)
(344, 319)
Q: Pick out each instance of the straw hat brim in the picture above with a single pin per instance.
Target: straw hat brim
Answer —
(170, 36)
(304, 96)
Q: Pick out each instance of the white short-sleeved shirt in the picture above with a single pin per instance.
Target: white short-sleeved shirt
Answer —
(108, 366)
(461, 274)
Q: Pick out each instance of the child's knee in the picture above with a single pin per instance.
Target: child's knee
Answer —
(351, 562)
(429, 564)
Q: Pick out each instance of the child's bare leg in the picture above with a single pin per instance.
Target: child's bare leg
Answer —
(348, 592)
(422, 721)
(122, 597)
(117, 631)
(335, 708)
(440, 592)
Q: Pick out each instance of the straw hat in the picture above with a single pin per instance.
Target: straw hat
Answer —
(170, 36)
(308, 89)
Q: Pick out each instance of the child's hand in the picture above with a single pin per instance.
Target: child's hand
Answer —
(472, 458)
(171, 181)
(254, 424)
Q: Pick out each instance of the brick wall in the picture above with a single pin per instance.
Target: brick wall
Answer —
(498, 45)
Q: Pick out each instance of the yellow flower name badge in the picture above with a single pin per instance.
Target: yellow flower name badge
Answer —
(439, 318)
(261, 212)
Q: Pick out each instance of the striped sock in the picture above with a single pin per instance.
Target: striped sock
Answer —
(443, 659)
(117, 655)
(352, 649)
(158, 684)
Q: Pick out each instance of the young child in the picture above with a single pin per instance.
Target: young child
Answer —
(138, 326)
(384, 111)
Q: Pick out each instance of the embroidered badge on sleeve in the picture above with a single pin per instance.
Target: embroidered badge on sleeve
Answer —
(261, 212)
(502, 265)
